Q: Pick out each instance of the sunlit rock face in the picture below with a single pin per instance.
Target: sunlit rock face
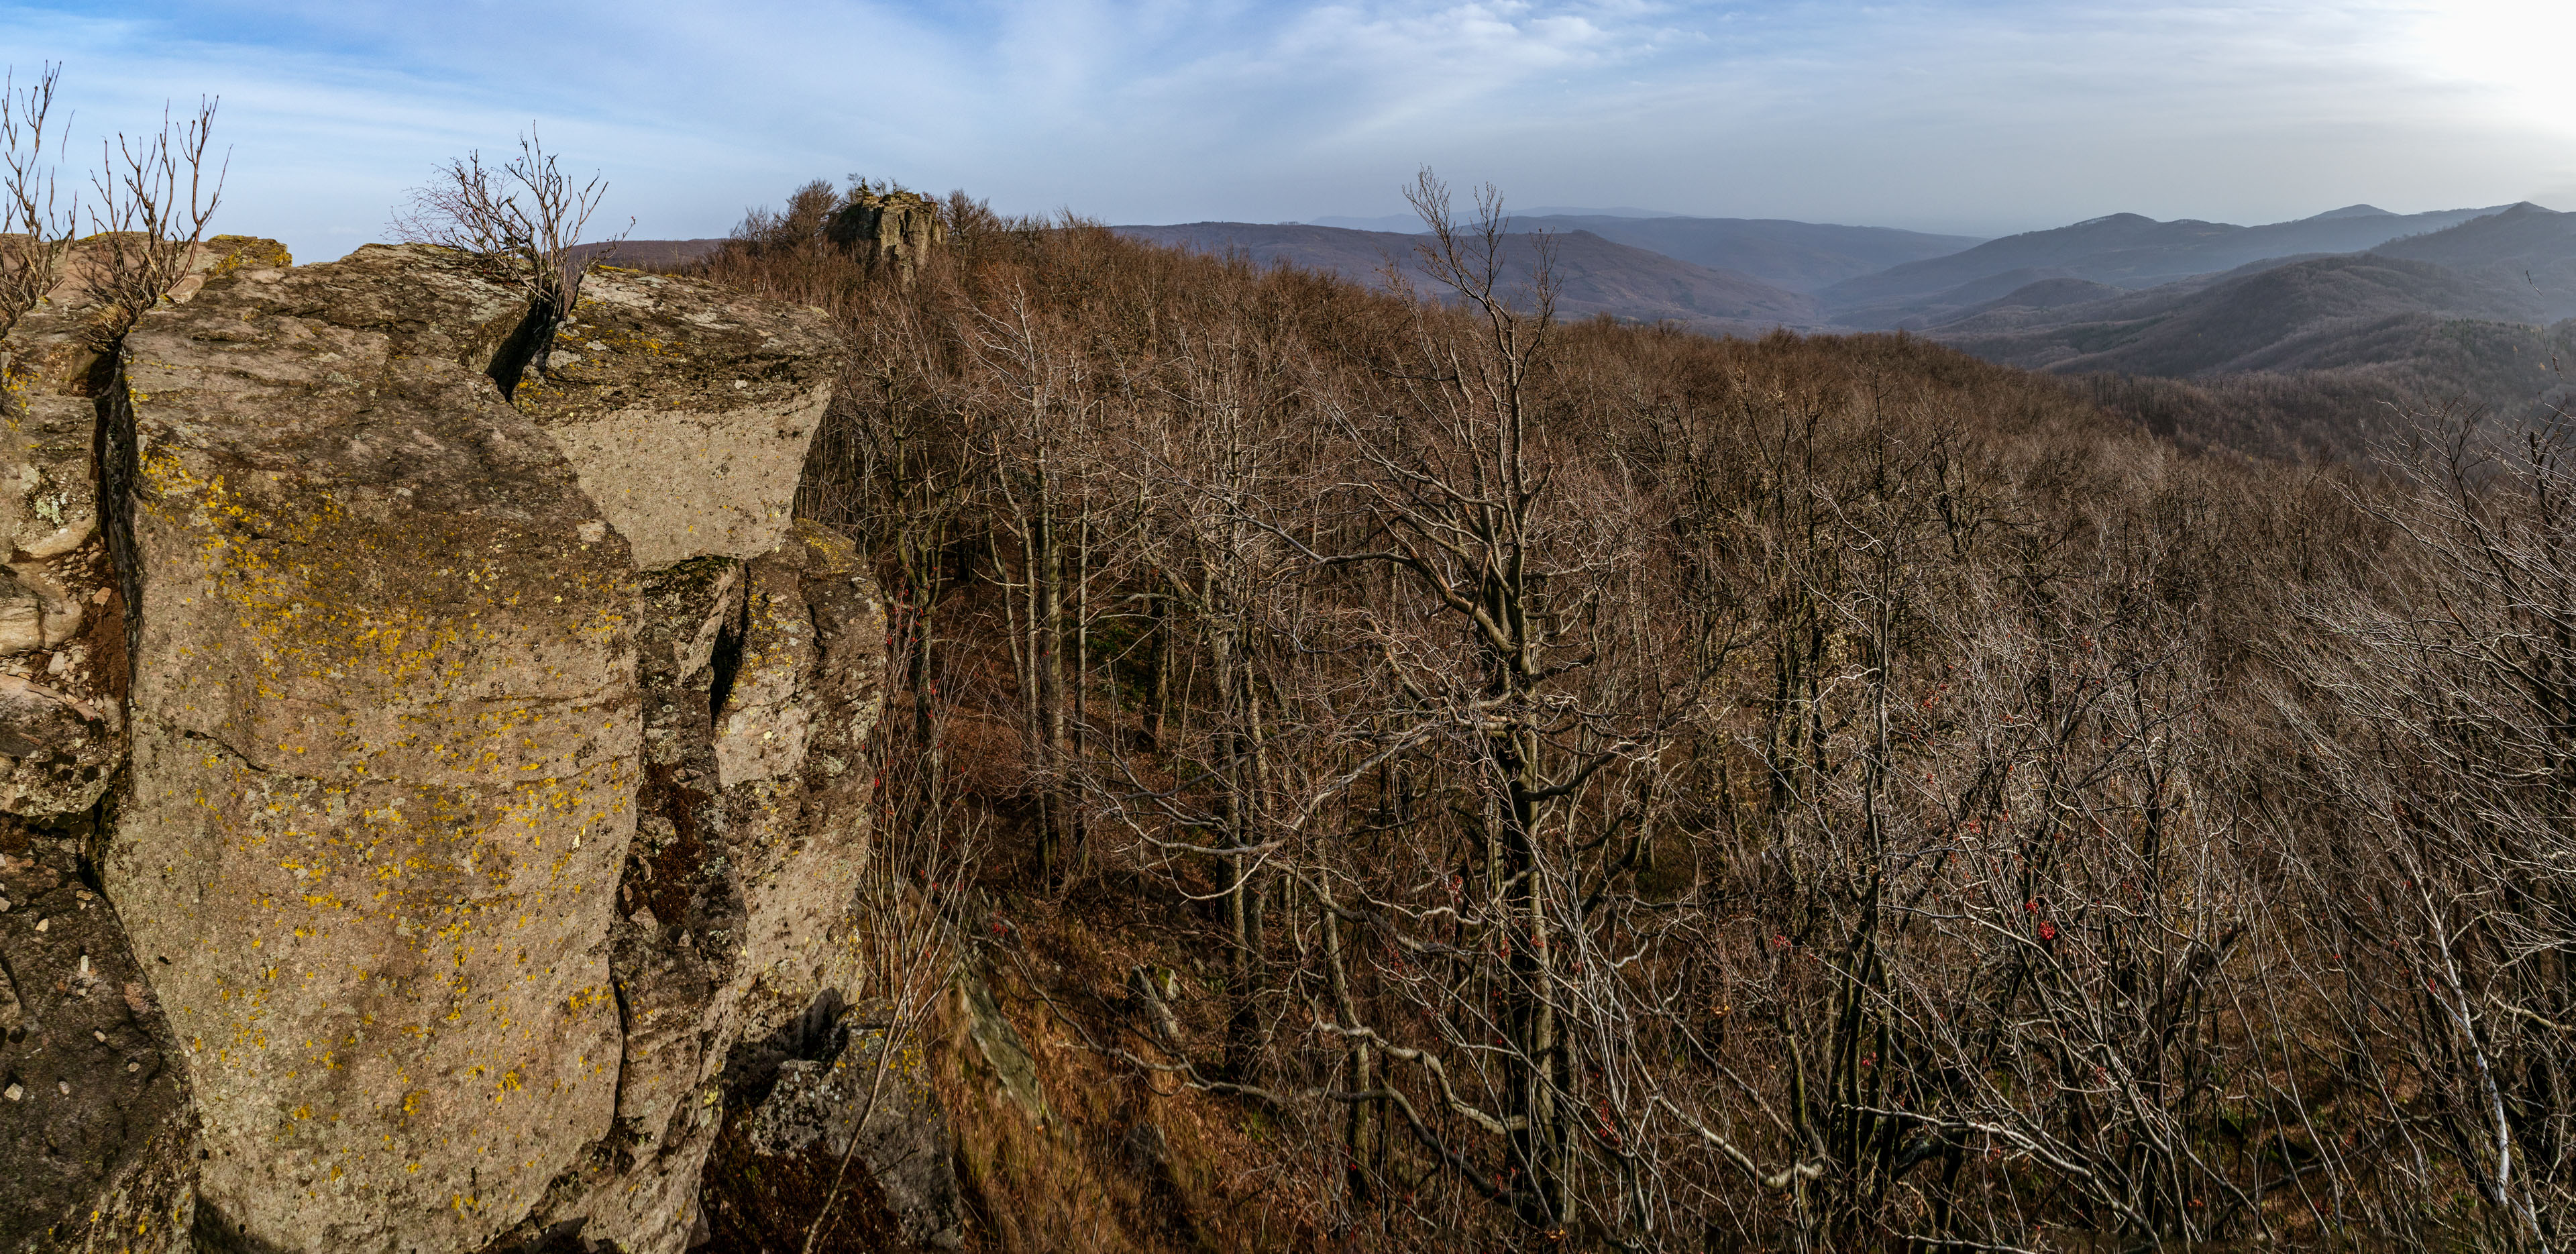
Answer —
(98, 1132)
(685, 411)
(480, 772)
(385, 731)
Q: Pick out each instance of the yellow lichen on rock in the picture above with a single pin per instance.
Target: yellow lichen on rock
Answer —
(402, 667)
(384, 709)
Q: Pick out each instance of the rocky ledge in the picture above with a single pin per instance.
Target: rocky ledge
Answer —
(414, 796)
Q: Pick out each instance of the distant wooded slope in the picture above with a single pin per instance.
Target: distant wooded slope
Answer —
(2407, 309)
(1594, 275)
(1799, 256)
(2130, 250)
(2409, 333)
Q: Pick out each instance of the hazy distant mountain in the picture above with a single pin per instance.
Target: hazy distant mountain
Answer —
(2524, 247)
(1411, 223)
(2032, 301)
(1595, 275)
(1800, 256)
(2039, 294)
(2309, 315)
(2129, 250)
(2516, 232)
(2349, 344)
(2459, 307)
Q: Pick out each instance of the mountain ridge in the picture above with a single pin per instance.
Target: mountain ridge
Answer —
(2136, 251)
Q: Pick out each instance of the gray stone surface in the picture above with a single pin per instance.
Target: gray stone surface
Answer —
(484, 774)
(686, 411)
(399, 657)
(99, 1139)
(385, 749)
(737, 898)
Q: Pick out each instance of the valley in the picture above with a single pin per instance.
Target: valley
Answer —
(2463, 307)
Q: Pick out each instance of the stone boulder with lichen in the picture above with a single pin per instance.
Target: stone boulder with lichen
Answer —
(97, 1129)
(468, 776)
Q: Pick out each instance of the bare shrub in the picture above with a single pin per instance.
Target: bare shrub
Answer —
(151, 202)
(526, 217)
(34, 230)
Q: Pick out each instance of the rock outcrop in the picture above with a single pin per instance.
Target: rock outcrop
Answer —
(889, 229)
(98, 1131)
(459, 779)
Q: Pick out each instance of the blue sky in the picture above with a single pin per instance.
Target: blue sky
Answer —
(1976, 116)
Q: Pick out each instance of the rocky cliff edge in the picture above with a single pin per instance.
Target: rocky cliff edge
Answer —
(411, 797)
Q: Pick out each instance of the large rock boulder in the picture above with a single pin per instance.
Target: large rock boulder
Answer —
(97, 1129)
(891, 230)
(385, 733)
(482, 780)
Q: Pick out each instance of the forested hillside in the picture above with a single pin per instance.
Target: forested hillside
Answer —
(2132, 250)
(2452, 308)
(1799, 256)
(1593, 275)
(1449, 778)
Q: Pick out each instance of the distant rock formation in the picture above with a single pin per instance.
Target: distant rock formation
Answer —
(894, 229)
(411, 799)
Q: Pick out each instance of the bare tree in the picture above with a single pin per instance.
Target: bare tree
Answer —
(1040, 399)
(34, 232)
(152, 200)
(526, 217)
(1463, 946)
(2436, 696)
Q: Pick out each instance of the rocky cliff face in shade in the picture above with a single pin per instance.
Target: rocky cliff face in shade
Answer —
(759, 681)
(457, 783)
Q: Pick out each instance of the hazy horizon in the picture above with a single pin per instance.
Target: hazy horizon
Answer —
(1966, 117)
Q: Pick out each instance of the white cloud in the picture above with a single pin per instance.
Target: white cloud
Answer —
(1968, 113)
